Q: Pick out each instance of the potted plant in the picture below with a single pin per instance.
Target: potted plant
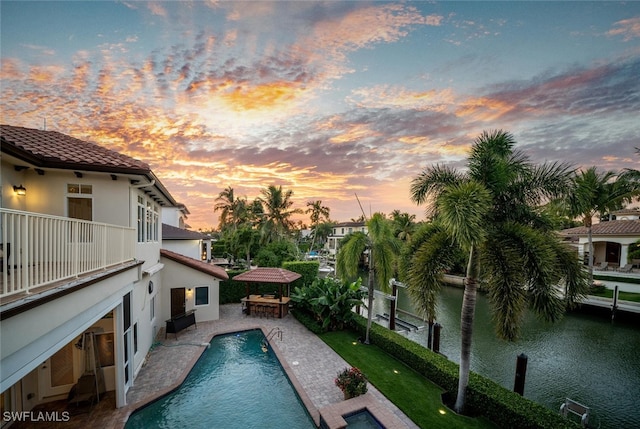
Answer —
(352, 382)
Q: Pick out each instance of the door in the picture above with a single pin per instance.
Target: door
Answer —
(178, 301)
(56, 373)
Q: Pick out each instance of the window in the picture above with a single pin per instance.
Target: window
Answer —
(135, 338)
(152, 308)
(126, 327)
(141, 223)
(202, 295)
(148, 224)
(79, 201)
(126, 311)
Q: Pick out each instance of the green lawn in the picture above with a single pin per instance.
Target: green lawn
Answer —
(625, 296)
(416, 396)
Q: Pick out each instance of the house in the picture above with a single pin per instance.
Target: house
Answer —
(83, 277)
(340, 230)
(186, 242)
(611, 239)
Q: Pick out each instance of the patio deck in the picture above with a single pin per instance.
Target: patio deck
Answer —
(313, 364)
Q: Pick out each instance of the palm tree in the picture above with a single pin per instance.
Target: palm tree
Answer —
(403, 224)
(317, 212)
(277, 217)
(597, 193)
(492, 212)
(322, 231)
(382, 247)
(226, 203)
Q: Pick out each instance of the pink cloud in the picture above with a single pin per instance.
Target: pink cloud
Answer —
(627, 28)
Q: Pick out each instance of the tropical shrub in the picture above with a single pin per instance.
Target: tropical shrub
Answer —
(329, 301)
(352, 382)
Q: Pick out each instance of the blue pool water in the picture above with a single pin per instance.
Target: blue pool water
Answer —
(234, 385)
(362, 420)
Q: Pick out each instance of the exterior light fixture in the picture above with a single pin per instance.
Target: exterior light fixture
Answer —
(20, 190)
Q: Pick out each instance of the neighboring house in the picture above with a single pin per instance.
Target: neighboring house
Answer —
(189, 243)
(175, 216)
(80, 251)
(610, 239)
(340, 230)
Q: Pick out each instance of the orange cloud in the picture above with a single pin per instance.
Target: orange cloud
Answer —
(355, 132)
(483, 108)
(265, 96)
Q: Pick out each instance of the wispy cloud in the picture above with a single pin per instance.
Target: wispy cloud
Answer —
(627, 28)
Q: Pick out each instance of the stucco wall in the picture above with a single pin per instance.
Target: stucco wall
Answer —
(176, 275)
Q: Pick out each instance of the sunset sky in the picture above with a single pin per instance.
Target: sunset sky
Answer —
(328, 99)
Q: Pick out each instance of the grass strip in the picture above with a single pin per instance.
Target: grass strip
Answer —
(416, 396)
(625, 296)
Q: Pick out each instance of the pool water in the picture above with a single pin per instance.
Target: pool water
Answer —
(234, 385)
(362, 420)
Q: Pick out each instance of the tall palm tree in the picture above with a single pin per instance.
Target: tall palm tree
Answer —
(277, 204)
(317, 212)
(597, 193)
(226, 203)
(382, 247)
(492, 212)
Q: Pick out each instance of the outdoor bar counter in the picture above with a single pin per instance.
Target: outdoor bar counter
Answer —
(266, 305)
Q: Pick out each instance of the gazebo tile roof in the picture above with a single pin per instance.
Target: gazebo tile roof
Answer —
(268, 275)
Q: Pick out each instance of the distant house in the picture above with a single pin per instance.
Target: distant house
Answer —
(611, 239)
(186, 242)
(340, 230)
(81, 253)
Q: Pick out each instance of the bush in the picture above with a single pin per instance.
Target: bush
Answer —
(329, 300)
(352, 382)
(484, 397)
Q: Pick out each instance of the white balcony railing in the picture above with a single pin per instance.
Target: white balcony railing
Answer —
(39, 249)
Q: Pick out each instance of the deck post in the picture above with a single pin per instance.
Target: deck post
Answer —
(521, 372)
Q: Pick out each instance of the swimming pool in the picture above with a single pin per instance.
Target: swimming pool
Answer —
(234, 385)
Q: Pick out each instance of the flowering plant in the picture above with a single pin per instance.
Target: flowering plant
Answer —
(352, 382)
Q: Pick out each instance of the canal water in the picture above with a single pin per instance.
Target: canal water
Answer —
(583, 357)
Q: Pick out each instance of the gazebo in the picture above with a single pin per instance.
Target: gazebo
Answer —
(267, 305)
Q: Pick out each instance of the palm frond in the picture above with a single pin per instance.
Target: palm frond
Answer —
(432, 256)
(431, 181)
(464, 208)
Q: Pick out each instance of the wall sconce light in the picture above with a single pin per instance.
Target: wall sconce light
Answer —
(20, 190)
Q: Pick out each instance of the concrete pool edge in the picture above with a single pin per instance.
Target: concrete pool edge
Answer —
(333, 415)
(126, 412)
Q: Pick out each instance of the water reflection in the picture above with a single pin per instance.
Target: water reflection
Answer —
(583, 357)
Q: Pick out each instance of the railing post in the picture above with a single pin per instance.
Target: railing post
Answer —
(23, 257)
(76, 248)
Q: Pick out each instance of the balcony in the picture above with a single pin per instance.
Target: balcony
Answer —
(39, 250)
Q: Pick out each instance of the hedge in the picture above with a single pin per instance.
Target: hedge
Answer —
(484, 397)
(308, 270)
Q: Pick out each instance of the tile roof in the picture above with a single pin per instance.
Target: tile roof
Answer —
(56, 150)
(170, 232)
(213, 270)
(268, 275)
(614, 227)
